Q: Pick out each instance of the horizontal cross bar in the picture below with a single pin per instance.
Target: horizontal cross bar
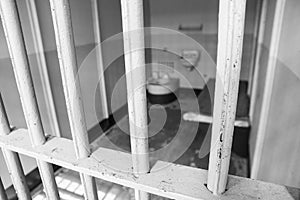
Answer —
(165, 179)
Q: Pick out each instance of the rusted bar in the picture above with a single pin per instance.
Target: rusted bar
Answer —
(61, 16)
(16, 46)
(230, 45)
(134, 44)
(12, 159)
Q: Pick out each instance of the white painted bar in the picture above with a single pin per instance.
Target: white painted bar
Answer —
(198, 117)
(165, 179)
(230, 46)
(255, 43)
(99, 57)
(270, 76)
(133, 37)
(42, 65)
(2, 191)
(16, 46)
(261, 33)
(4, 124)
(16, 173)
(12, 159)
(61, 15)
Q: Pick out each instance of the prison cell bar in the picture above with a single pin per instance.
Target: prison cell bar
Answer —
(229, 58)
(12, 159)
(99, 57)
(258, 52)
(168, 180)
(230, 45)
(61, 16)
(16, 46)
(42, 66)
(134, 54)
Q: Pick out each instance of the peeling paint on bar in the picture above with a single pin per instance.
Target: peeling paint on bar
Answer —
(134, 48)
(61, 15)
(230, 45)
(165, 179)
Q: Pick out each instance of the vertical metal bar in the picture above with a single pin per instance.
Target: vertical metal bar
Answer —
(99, 57)
(61, 15)
(12, 159)
(134, 44)
(275, 35)
(258, 10)
(16, 46)
(258, 51)
(42, 66)
(2, 191)
(230, 46)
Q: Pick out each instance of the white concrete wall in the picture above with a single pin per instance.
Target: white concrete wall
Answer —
(192, 13)
(171, 13)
